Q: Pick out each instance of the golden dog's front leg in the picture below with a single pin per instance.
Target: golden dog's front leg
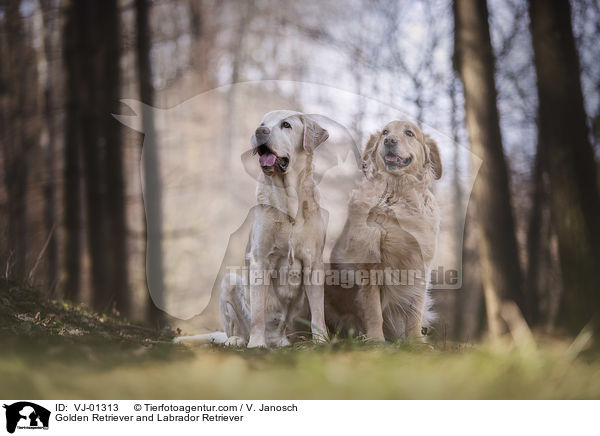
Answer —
(259, 286)
(370, 301)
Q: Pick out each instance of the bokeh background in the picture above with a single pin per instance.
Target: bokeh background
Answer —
(511, 85)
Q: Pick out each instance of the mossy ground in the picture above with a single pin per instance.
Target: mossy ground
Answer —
(51, 350)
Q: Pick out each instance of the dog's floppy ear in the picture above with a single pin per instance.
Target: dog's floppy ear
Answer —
(368, 155)
(314, 134)
(250, 164)
(433, 157)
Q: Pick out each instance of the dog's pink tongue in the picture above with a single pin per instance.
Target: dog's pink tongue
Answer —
(267, 160)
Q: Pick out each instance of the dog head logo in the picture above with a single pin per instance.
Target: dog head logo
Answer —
(199, 172)
(26, 415)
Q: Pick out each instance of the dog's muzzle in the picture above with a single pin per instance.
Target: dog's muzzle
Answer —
(269, 160)
(395, 161)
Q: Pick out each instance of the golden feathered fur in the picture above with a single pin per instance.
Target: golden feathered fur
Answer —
(392, 225)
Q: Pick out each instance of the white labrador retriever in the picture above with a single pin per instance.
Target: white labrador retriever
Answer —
(286, 240)
(266, 303)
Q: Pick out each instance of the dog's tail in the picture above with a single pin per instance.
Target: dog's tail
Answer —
(228, 284)
(207, 338)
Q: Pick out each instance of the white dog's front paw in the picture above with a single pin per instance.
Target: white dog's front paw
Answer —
(257, 342)
(319, 333)
(235, 341)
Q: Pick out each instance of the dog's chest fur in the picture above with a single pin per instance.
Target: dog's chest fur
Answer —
(406, 219)
(287, 235)
(273, 224)
(409, 233)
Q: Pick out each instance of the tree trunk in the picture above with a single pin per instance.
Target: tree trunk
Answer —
(459, 217)
(49, 146)
(501, 273)
(245, 12)
(563, 132)
(203, 29)
(94, 29)
(72, 175)
(152, 185)
(110, 131)
(534, 233)
(18, 66)
(90, 104)
(459, 211)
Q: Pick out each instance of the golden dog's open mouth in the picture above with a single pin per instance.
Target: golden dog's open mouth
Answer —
(395, 161)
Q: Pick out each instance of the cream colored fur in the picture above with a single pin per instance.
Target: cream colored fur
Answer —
(287, 236)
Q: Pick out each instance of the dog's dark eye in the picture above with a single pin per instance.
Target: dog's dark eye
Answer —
(286, 125)
(409, 133)
(385, 131)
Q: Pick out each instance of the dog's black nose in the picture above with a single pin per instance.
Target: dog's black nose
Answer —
(262, 134)
(390, 142)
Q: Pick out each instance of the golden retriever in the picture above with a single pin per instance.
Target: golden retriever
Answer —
(389, 239)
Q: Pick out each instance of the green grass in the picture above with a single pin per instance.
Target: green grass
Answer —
(53, 350)
(340, 371)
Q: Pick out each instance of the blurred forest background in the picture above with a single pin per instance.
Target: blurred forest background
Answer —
(516, 81)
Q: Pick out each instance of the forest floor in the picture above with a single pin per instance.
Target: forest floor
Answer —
(52, 350)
